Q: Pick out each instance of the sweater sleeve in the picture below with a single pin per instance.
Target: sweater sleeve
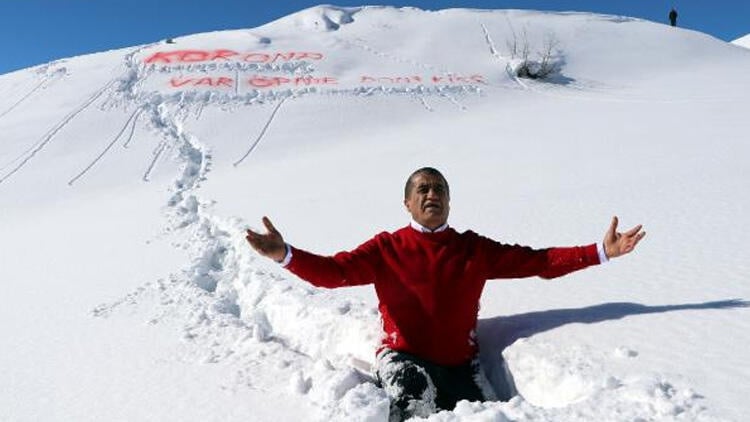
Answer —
(514, 261)
(353, 268)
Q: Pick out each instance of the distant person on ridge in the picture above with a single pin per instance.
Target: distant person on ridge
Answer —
(429, 278)
(673, 17)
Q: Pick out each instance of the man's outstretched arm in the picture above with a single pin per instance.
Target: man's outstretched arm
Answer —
(343, 269)
(615, 244)
(514, 261)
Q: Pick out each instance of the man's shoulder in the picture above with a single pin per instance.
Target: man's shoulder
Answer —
(468, 234)
(387, 235)
(470, 237)
(384, 238)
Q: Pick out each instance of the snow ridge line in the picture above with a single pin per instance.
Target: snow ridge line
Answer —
(262, 132)
(133, 118)
(40, 144)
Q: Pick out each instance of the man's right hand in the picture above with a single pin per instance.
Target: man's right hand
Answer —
(270, 245)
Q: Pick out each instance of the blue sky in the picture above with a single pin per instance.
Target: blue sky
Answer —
(33, 32)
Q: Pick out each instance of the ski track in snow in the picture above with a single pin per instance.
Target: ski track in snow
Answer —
(46, 81)
(157, 153)
(128, 84)
(131, 122)
(455, 102)
(424, 104)
(442, 91)
(262, 132)
(490, 43)
(361, 44)
(134, 120)
(32, 151)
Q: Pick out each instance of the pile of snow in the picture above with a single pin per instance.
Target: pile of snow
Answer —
(743, 41)
(127, 179)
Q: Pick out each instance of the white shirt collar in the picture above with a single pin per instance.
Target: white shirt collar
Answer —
(420, 228)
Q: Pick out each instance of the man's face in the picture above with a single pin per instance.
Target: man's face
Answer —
(428, 200)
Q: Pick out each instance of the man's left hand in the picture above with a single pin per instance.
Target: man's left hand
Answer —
(618, 244)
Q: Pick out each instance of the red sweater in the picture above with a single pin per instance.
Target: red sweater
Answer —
(429, 284)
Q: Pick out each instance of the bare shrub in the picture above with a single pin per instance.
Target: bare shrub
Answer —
(541, 65)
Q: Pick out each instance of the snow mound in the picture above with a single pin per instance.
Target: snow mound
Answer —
(323, 18)
(743, 41)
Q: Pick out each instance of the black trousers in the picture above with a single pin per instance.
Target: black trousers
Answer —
(419, 388)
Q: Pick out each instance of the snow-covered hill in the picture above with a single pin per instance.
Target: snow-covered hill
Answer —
(127, 179)
(743, 41)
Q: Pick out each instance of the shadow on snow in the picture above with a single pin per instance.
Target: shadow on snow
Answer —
(495, 334)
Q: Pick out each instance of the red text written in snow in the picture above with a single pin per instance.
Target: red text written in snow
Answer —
(255, 81)
(415, 79)
(214, 82)
(268, 82)
(195, 56)
(259, 81)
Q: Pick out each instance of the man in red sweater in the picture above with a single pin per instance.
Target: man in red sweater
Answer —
(429, 279)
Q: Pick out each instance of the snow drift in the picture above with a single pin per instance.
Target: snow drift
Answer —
(743, 41)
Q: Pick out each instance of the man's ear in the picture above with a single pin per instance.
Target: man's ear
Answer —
(406, 204)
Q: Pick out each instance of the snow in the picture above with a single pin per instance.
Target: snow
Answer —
(743, 41)
(126, 186)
